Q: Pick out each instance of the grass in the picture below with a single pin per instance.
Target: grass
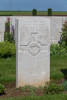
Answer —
(58, 63)
(14, 13)
(29, 13)
(7, 70)
(45, 97)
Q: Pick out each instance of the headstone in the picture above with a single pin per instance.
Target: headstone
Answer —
(2, 28)
(33, 51)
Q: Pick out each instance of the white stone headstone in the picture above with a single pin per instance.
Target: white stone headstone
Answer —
(2, 28)
(33, 51)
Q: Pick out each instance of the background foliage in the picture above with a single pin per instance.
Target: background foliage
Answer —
(7, 49)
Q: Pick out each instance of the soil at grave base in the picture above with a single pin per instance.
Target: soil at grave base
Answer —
(11, 91)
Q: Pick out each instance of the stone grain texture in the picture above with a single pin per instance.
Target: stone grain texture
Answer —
(2, 27)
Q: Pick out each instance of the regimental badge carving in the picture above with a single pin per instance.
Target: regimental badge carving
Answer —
(34, 48)
(34, 44)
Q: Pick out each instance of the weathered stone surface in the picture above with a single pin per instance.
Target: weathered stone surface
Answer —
(2, 28)
(33, 51)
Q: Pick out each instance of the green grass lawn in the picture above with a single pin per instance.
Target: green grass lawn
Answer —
(8, 74)
(7, 70)
(58, 63)
(45, 97)
(29, 13)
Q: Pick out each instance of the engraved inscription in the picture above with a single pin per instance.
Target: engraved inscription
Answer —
(35, 36)
(35, 43)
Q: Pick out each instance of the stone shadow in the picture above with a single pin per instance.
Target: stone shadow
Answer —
(64, 71)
